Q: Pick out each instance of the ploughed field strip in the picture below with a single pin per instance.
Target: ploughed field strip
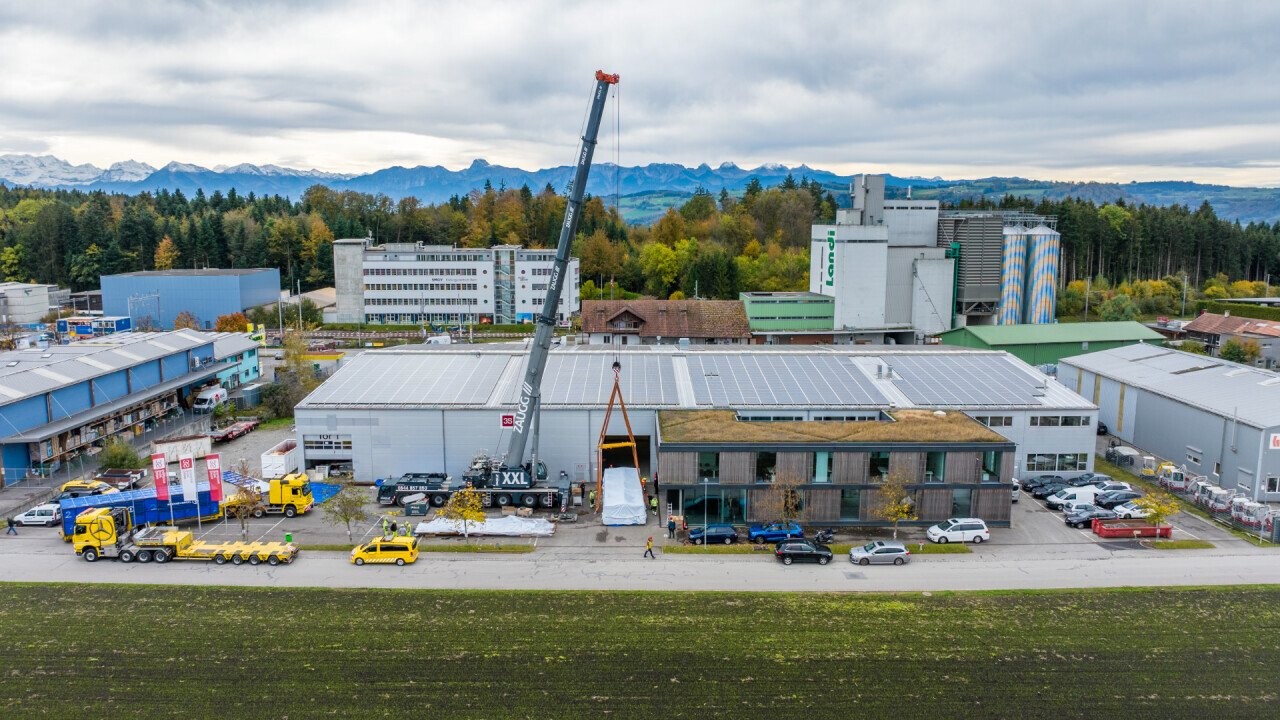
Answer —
(198, 652)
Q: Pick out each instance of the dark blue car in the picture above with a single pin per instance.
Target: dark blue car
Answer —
(721, 533)
(774, 532)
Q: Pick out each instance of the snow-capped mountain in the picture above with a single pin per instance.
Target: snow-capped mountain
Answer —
(127, 171)
(45, 171)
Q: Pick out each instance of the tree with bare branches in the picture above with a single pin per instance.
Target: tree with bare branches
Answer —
(893, 501)
(783, 501)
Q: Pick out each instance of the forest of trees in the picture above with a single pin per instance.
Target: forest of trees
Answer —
(714, 245)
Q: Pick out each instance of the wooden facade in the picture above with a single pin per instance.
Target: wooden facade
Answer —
(849, 468)
(737, 468)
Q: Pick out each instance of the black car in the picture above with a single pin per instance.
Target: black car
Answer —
(1045, 491)
(1084, 516)
(1040, 481)
(722, 533)
(1115, 497)
(789, 551)
(1102, 428)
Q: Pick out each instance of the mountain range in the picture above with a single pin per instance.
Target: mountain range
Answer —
(646, 191)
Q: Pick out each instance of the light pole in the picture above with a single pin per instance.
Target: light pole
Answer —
(1184, 295)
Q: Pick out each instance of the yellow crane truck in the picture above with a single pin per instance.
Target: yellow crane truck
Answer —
(109, 533)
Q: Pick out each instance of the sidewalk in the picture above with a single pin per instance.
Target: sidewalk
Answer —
(22, 494)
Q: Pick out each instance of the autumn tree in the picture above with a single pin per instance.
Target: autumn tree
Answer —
(186, 321)
(348, 506)
(167, 254)
(1241, 351)
(231, 322)
(893, 501)
(245, 501)
(782, 501)
(1159, 506)
(465, 506)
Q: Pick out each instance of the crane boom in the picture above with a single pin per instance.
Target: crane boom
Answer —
(529, 405)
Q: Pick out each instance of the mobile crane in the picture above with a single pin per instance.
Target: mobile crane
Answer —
(510, 472)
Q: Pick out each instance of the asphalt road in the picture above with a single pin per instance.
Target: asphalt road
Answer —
(622, 568)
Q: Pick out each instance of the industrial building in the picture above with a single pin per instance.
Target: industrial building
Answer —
(1216, 418)
(27, 303)
(1215, 329)
(431, 409)
(1007, 265)
(407, 283)
(59, 401)
(153, 299)
(881, 265)
(1047, 344)
(656, 322)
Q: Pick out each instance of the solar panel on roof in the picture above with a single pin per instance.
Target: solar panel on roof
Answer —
(963, 380)
(731, 380)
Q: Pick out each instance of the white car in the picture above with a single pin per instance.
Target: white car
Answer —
(48, 515)
(959, 530)
(1109, 485)
(1129, 510)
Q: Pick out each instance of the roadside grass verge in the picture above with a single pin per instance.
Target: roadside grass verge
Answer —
(1181, 544)
(275, 423)
(326, 547)
(301, 653)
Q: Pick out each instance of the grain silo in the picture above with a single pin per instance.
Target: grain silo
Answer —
(1044, 246)
(1013, 272)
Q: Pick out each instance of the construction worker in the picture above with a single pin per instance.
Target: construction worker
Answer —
(648, 549)
(386, 527)
(591, 498)
(653, 504)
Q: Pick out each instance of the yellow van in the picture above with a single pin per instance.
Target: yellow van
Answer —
(398, 550)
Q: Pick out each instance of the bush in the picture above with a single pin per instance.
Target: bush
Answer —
(117, 453)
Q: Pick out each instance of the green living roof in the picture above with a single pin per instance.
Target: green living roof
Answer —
(1125, 330)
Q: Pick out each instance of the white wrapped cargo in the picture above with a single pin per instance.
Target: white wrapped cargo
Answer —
(623, 497)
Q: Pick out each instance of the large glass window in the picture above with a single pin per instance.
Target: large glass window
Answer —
(766, 466)
(850, 503)
(878, 466)
(961, 502)
(822, 466)
(935, 469)
(991, 466)
(709, 466)
(715, 504)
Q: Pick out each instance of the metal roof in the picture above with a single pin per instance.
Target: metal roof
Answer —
(24, 373)
(206, 272)
(996, 335)
(1224, 388)
(728, 377)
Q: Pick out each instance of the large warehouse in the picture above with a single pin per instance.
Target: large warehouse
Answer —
(1216, 418)
(430, 409)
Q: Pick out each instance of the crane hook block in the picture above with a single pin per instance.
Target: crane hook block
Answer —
(603, 76)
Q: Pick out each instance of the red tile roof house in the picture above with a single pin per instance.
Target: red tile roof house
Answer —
(666, 322)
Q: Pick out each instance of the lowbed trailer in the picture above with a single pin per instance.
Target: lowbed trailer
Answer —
(233, 431)
(109, 533)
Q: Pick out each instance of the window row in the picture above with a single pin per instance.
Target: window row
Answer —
(326, 442)
(422, 271)
(370, 302)
(1060, 420)
(935, 470)
(421, 286)
(540, 271)
(1069, 462)
(406, 318)
(995, 420)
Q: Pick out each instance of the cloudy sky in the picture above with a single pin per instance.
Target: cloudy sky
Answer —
(1070, 90)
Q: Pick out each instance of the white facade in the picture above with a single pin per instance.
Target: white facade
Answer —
(912, 222)
(403, 283)
(23, 303)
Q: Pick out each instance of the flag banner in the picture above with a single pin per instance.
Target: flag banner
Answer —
(160, 474)
(213, 470)
(187, 474)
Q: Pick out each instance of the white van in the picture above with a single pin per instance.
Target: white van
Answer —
(1080, 495)
(209, 398)
(48, 515)
(959, 530)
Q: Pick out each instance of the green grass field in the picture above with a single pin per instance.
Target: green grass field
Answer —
(193, 652)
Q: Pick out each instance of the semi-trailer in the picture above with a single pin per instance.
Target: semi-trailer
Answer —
(144, 506)
(112, 533)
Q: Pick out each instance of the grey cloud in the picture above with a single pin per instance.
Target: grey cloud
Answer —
(980, 84)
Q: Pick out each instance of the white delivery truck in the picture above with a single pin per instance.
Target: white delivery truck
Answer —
(281, 460)
(209, 398)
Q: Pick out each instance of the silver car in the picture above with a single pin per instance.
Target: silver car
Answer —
(880, 552)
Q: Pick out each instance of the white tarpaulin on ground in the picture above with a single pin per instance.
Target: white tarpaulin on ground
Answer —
(509, 525)
(623, 498)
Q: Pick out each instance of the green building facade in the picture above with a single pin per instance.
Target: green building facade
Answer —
(1044, 344)
(789, 311)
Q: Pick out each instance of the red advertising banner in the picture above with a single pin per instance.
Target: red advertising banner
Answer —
(160, 474)
(213, 470)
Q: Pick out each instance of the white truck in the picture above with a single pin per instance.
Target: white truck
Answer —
(281, 460)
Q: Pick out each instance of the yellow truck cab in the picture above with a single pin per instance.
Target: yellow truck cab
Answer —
(81, 488)
(290, 495)
(398, 550)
